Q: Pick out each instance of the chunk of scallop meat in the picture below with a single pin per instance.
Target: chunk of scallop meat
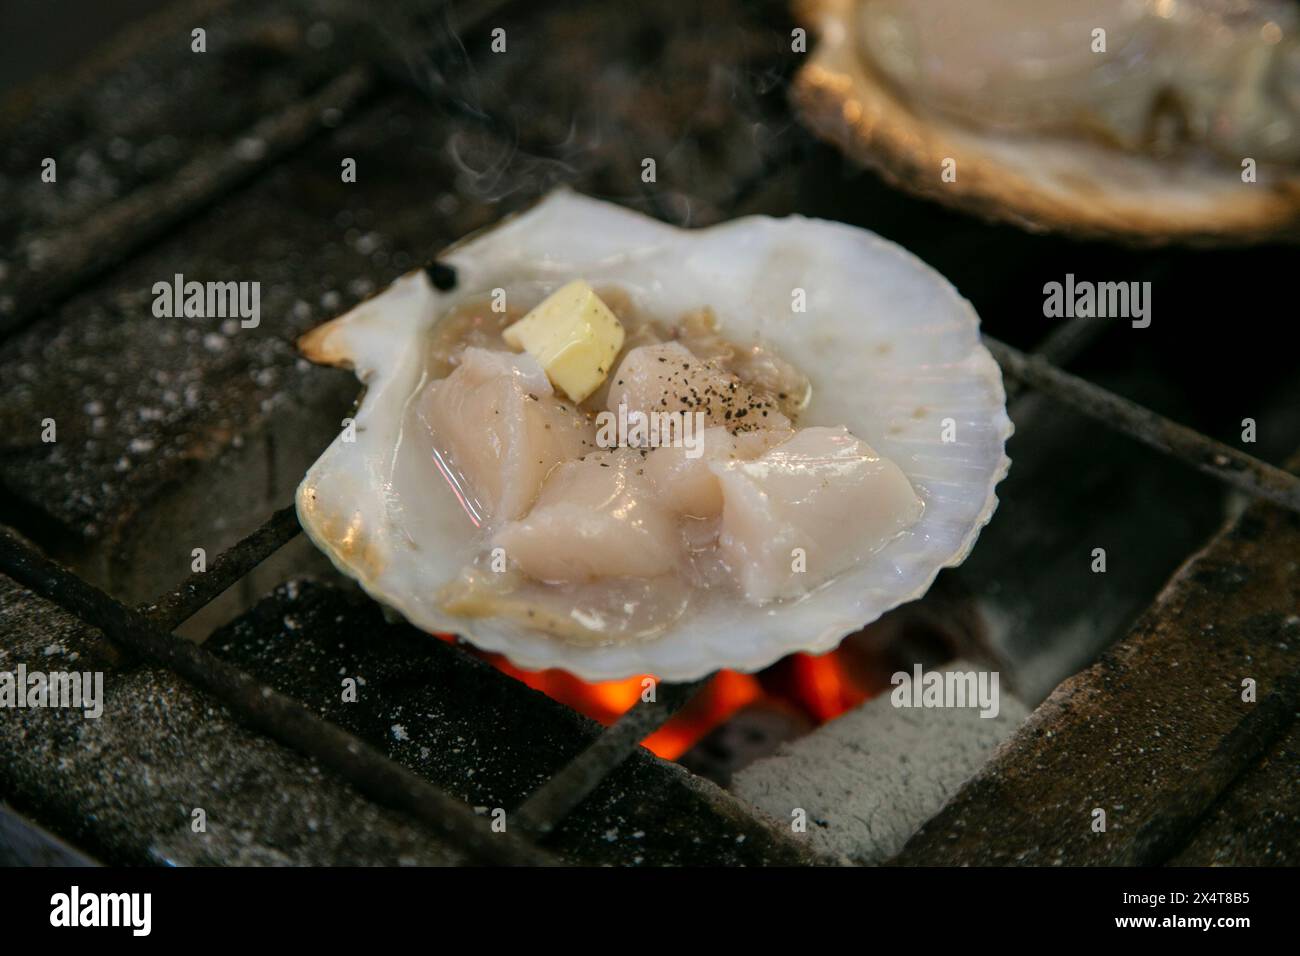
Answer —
(668, 377)
(807, 510)
(498, 429)
(597, 517)
(685, 481)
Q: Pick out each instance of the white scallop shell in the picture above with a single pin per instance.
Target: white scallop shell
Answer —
(1071, 185)
(891, 348)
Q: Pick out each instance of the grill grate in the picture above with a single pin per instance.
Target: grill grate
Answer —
(146, 631)
(267, 710)
(1223, 462)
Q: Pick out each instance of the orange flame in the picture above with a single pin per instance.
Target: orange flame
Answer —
(824, 687)
(821, 687)
(727, 693)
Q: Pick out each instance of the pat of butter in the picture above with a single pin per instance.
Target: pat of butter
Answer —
(574, 337)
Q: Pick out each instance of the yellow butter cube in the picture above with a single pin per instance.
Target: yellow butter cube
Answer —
(574, 337)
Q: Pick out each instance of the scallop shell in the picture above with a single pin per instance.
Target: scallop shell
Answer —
(1039, 184)
(891, 348)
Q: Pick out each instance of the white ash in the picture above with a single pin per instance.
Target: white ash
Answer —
(868, 780)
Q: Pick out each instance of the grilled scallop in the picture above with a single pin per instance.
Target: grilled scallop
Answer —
(1144, 120)
(478, 493)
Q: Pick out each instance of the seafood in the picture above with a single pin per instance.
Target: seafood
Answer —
(476, 496)
(1144, 120)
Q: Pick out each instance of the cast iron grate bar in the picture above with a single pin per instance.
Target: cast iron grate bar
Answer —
(1213, 457)
(24, 843)
(277, 715)
(91, 247)
(203, 587)
(1060, 347)
(550, 803)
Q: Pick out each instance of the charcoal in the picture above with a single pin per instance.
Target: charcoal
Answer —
(1257, 823)
(482, 736)
(199, 428)
(117, 133)
(124, 786)
(867, 780)
(1156, 731)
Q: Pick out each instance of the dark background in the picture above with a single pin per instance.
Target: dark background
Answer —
(42, 38)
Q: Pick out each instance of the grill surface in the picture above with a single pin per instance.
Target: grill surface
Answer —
(448, 137)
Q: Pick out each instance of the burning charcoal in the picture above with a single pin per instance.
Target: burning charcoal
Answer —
(484, 738)
(866, 781)
(753, 732)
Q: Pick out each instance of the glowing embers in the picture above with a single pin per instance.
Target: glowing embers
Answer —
(808, 690)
